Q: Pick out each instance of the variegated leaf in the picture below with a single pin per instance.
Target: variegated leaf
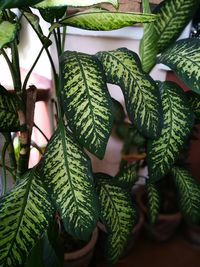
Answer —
(17, 3)
(104, 20)
(67, 176)
(8, 32)
(194, 101)
(188, 194)
(9, 103)
(142, 97)
(24, 216)
(184, 59)
(127, 176)
(153, 204)
(178, 121)
(173, 16)
(86, 100)
(148, 44)
(74, 3)
(117, 214)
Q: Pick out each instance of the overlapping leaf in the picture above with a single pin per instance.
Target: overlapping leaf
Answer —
(17, 3)
(24, 216)
(87, 103)
(9, 103)
(188, 194)
(153, 203)
(173, 16)
(184, 59)
(194, 101)
(118, 215)
(178, 121)
(141, 94)
(103, 20)
(7, 33)
(67, 176)
(127, 176)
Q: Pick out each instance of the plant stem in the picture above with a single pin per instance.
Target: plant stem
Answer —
(3, 154)
(15, 63)
(47, 139)
(63, 39)
(9, 63)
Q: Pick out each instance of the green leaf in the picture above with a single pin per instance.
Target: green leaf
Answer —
(173, 16)
(74, 3)
(188, 194)
(153, 204)
(17, 3)
(103, 20)
(127, 176)
(24, 215)
(7, 33)
(178, 122)
(148, 44)
(117, 214)
(9, 104)
(118, 111)
(184, 59)
(86, 100)
(51, 13)
(142, 97)
(67, 176)
(194, 101)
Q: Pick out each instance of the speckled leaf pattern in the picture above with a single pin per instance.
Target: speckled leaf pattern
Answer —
(127, 176)
(9, 120)
(142, 97)
(188, 194)
(153, 202)
(148, 44)
(24, 216)
(173, 16)
(194, 101)
(184, 59)
(7, 33)
(178, 122)
(17, 3)
(103, 20)
(74, 3)
(86, 100)
(67, 176)
(118, 215)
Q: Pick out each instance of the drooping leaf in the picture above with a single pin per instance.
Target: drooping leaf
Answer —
(86, 101)
(24, 215)
(148, 44)
(194, 101)
(127, 176)
(184, 59)
(173, 16)
(9, 103)
(188, 194)
(141, 94)
(67, 176)
(17, 3)
(153, 202)
(103, 20)
(117, 214)
(8, 32)
(178, 121)
(74, 3)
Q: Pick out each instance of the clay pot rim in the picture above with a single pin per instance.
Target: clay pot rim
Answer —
(84, 250)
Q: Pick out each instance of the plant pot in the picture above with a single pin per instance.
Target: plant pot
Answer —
(192, 234)
(83, 256)
(166, 224)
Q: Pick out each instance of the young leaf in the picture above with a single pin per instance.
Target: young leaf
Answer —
(148, 44)
(9, 103)
(188, 194)
(127, 177)
(173, 16)
(142, 97)
(24, 215)
(17, 3)
(7, 33)
(68, 177)
(103, 20)
(153, 202)
(184, 59)
(86, 101)
(118, 215)
(178, 122)
(74, 3)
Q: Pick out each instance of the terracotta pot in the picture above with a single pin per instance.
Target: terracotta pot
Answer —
(166, 224)
(192, 234)
(83, 256)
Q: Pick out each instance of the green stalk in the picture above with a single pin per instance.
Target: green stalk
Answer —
(15, 63)
(46, 138)
(63, 39)
(9, 63)
(4, 178)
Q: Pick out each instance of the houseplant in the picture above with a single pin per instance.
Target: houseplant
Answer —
(63, 179)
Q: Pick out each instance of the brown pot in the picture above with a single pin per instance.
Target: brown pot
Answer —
(166, 224)
(192, 234)
(83, 256)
